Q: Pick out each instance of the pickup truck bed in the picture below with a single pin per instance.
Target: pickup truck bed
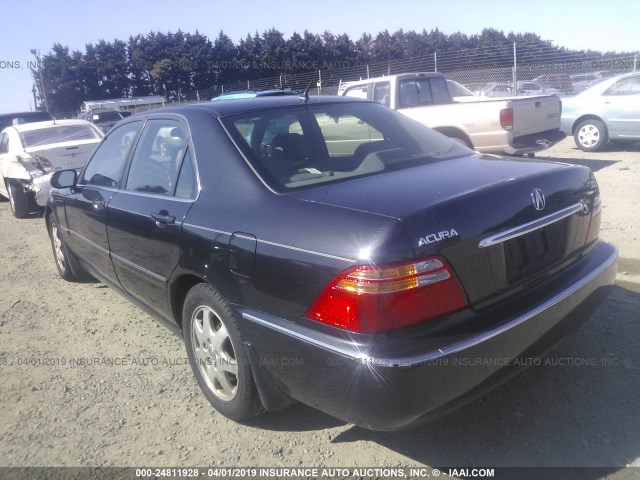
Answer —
(515, 126)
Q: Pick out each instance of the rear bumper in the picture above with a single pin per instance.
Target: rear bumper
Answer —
(534, 143)
(390, 382)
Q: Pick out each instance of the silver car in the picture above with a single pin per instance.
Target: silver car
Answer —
(30, 153)
(609, 110)
(537, 88)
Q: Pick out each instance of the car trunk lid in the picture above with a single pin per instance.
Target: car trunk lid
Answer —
(480, 214)
(68, 155)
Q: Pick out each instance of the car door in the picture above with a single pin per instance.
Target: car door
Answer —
(86, 204)
(144, 219)
(620, 105)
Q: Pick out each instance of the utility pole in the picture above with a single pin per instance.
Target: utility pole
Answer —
(36, 53)
(515, 70)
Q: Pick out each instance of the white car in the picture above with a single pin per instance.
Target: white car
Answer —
(30, 153)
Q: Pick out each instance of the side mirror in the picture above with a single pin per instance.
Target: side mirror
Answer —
(64, 179)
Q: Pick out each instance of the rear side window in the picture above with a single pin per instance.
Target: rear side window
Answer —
(158, 157)
(381, 93)
(359, 91)
(186, 187)
(106, 165)
(423, 91)
(626, 86)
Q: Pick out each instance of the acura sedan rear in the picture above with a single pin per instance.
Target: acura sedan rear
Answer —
(330, 251)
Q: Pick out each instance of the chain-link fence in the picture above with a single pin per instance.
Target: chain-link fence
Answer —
(567, 72)
(479, 69)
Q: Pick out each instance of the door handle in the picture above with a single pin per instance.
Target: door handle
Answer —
(163, 217)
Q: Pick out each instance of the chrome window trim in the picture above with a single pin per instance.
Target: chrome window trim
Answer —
(530, 226)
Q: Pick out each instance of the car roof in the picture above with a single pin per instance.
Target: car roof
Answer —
(223, 108)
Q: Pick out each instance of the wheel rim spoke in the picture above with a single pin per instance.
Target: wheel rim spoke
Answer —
(214, 353)
(226, 389)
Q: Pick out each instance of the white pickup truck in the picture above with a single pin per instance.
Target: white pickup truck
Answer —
(515, 126)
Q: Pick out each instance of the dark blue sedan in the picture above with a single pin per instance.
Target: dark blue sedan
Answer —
(330, 251)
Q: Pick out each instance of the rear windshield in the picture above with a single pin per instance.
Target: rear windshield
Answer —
(308, 145)
(107, 117)
(58, 134)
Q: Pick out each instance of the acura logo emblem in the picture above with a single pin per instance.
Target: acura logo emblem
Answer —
(537, 198)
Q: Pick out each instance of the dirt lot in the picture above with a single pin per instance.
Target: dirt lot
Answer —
(62, 407)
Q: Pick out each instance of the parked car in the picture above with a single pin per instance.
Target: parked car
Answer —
(364, 281)
(609, 110)
(102, 118)
(475, 88)
(254, 94)
(18, 118)
(583, 81)
(460, 93)
(559, 81)
(31, 152)
(515, 126)
(536, 88)
(497, 90)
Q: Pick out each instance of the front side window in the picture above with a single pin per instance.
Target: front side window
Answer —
(105, 167)
(626, 86)
(156, 162)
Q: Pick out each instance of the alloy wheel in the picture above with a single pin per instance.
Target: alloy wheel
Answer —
(214, 353)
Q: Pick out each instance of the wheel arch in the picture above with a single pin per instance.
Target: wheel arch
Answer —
(455, 132)
(48, 211)
(178, 290)
(589, 116)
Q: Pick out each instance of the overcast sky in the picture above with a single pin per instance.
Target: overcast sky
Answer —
(38, 24)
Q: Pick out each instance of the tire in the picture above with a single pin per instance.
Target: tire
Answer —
(217, 356)
(68, 266)
(19, 199)
(591, 135)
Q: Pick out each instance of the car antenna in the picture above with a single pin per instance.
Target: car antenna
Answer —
(305, 95)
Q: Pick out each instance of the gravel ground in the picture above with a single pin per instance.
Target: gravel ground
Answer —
(62, 406)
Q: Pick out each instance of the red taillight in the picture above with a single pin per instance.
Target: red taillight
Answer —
(506, 118)
(378, 298)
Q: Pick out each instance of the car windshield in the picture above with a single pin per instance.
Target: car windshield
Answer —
(58, 134)
(302, 146)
